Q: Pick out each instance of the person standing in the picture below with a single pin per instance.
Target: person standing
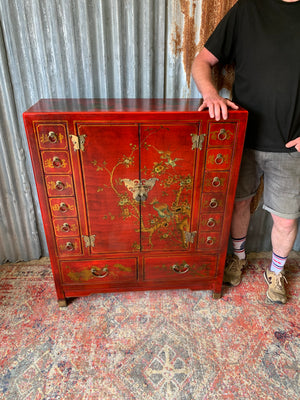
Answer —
(261, 38)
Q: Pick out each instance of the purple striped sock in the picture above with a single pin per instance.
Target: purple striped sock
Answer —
(277, 264)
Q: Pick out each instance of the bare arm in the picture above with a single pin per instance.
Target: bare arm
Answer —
(201, 70)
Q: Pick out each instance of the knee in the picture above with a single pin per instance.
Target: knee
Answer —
(284, 224)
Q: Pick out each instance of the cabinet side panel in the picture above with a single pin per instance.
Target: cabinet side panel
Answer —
(31, 122)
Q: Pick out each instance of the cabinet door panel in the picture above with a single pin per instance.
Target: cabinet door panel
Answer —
(110, 159)
(167, 166)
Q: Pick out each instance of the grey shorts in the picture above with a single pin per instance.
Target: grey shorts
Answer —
(281, 172)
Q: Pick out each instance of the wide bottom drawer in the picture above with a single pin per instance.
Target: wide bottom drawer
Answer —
(179, 268)
(99, 271)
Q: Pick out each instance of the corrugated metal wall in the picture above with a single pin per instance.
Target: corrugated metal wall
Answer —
(85, 48)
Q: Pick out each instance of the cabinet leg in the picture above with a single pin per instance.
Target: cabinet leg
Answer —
(216, 295)
(62, 303)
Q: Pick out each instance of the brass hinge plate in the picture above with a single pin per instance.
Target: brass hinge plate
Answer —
(197, 141)
(89, 240)
(189, 236)
(78, 142)
(139, 188)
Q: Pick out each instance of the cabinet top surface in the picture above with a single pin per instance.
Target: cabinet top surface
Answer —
(115, 105)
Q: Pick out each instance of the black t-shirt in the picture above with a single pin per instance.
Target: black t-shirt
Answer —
(262, 39)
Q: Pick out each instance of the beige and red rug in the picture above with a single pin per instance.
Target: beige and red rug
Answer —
(161, 345)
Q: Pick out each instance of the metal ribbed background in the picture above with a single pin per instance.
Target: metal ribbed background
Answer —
(85, 48)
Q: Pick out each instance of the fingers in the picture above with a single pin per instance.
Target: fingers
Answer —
(294, 143)
(202, 107)
(218, 108)
(214, 109)
(232, 105)
(291, 143)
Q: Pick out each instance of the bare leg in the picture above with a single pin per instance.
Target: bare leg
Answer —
(240, 218)
(283, 235)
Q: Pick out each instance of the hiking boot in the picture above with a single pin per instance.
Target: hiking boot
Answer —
(276, 292)
(233, 271)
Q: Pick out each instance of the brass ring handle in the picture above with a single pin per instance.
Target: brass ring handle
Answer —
(181, 269)
(210, 241)
(211, 223)
(216, 182)
(99, 274)
(59, 185)
(52, 137)
(66, 227)
(219, 159)
(213, 203)
(222, 135)
(57, 163)
(63, 207)
(69, 246)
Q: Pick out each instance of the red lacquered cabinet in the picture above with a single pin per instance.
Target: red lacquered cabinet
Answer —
(135, 194)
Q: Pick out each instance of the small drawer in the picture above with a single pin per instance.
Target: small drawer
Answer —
(212, 202)
(218, 159)
(63, 207)
(56, 162)
(52, 136)
(209, 241)
(69, 246)
(221, 133)
(66, 227)
(100, 272)
(215, 181)
(59, 185)
(210, 222)
(179, 268)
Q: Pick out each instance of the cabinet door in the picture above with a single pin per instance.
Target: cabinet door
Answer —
(110, 159)
(167, 171)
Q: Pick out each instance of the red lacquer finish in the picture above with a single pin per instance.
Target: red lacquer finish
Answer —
(59, 185)
(135, 194)
(167, 163)
(111, 157)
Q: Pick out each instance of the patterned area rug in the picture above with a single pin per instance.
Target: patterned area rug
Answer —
(161, 345)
